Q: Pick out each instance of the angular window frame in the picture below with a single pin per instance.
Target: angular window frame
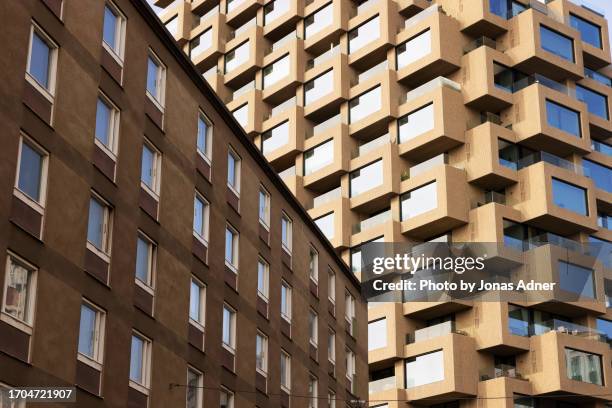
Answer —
(263, 292)
(231, 346)
(48, 90)
(149, 285)
(112, 149)
(37, 205)
(232, 263)
(160, 80)
(156, 169)
(117, 50)
(107, 227)
(201, 286)
(202, 236)
(25, 325)
(97, 360)
(206, 154)
(145, 369)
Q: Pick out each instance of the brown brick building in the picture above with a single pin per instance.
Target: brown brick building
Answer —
(147, 244)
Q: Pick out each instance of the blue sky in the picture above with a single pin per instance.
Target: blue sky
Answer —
(605, 5)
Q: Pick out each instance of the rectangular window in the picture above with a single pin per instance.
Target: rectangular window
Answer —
(364, 34)
(146, 252)
(313, 327)
(563, 118)
(229, 328)
(318, 20)
(331, 399)
(331, 286)
(416, 123)
(233, 171)
(197, 302)
(583, 366)
(366, 178)
(91, 333)
(570, 197)
(99, 225)
(275, 138)
(285, 371)
(19, 291)
(313, 264)
(318, 87)
(600, 174)
(264, 207)
(150, 174)
(365, 104)
(318, 157)
(237, 57)
(107, 125)
(261, 353)
(589, 32)
(425, 369)
(263, 278)
(286, 301)
(201, 43)
(414, 49)
(275, 9)
(350, 366)
(276, 71)
(331, 345)
(377, 334)
(326, 225)
(200, 217)
(227, 397)
(313, 384)
(241, 114)
(204, 138)
(286, 232)
(419, 201)
(113, 35)
(349, 311)
(156, 78)
(140, 361)
(195, 390)
(576, 279)
(42, 61)
(31, 178)
(231, 248)
(557, 43)
(597, 104)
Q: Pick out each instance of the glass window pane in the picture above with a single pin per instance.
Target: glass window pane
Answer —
(110, 28)
(557, 43)
(194, 301)
(276, 71)
(419, 201)
(237, 57)
(275, 138)
(202, 141)
(318, 87)
(95, 226)
(414, 49)
(364, 34)
(17, 294)
(201, 43)
(570, 197)
(326, 225)
(152, 77)
(425, 369)
(229, 246)
(87, 329)
(365, 104)
(366, 178)
(30, 172)
(143, 260)
(601, 175)
(148, 167)
(275, 9)
(318, 20)
(597, 103)
(136, 360)
(103, 123)
(416, 123)
(242, 115)
(576, 279)
(199, 215)
(583, 366)
(589, 32)
(563, 118)
(318, 157)
(40, 60)
(377, 334)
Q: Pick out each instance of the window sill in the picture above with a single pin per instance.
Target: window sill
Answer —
(36, 206)
(102, 255)
(16, 323)
(44, 91)
(196, 324)
(149, 191)
(113, 54)
(150, 290)
(231, 267)
(157, 103)
(229, 349)
(112, 155)
(88, 361)
(139, 387)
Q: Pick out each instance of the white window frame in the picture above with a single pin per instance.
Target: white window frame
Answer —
(156, 170)
(331, 399)
(265, 222)
(350, 367)
(229, 347)
(266, 289)
(119, 54)
(233, 265)
(287, 386)
(313, 337)
(149, 286)
(4, 389)
(115, 120)
(313, 398)
(147, 351)
(349, 309)
(205, 218)
(314, 272)
(27, 325)
(331, 286)
(160, 81)
(48, 93)
(264, 370)
(230, 397)
(200, 390)
(206, 155)
(331, 339)
(202, 306)
(287, 246)
(289, 290)
(237, 169)
(107, 233)
(38, 206)
(99, 337)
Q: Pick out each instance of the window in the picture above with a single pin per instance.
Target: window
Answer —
(42, 61)
(569, 197)
(503, 77)
(200, 217)
(605, 328)
(195, 390)
(356, 255)
(521, 401)
(231, 248)
(318, 157)
(197, 302)
(318, 20)
(233, 171)
(313, 327)
(227, 397)
(506, 8)
(563, 118)
(425, 369)
(237, 57)
(331, 345)
(261, 353)
(31, 178)
(275, 138)
(318, 87)
(597, 104)
(140, 361)
(276, 71)
(113, 35)
(349, 311)
(107, 125)
(286, 232)
(364, 34)
(350, 366)
(150, 174)
(233, 5)
(331, 286)
(5, 402)
(365, 104)
(286, 301)
(312, 391)
(518, 320)
(201, 43)
(589, 32)
(99, 225)
(326, 225)
(241, 114)
(146, 252)
(19, 292)
(264, 207)
(91, 333)
(229, 328)
(313, 264)
(377, 334)
(275, 9)
(331, 399)
(583, 366)
(366, 178)
(414, 49)
(156, 77)
(576, 279)
(263, 278)
(416, 123)
(419, 201)
(285, 371)
(601, 175)
(204, 140)
(604, 220)
(557, 43)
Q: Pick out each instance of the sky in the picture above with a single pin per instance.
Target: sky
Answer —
(606, 6)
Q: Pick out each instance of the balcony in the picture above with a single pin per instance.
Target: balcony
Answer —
(499, 371)
(409, 8)
(250, 59)
(207, 44)
(369, 110)
(432, 332)
(326, 84)
(240, 11)
(288, 78)
(329, 164)
(319, 34)
(285, 153)
(276, 23)
(382, 385)
(479, 19)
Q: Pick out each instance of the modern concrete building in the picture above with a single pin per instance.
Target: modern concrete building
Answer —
(152, 257)
(447, 120)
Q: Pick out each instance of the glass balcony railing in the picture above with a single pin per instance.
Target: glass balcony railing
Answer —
(601, 147)
(428, 87)
(491, 197)
(371, 145)
(327, 197)
(481, 42)
(381, 385)
(313, 62)
(487, 117)
(361, 8)
(282, 42)
(243, 90)
(372, 222)
(422, 167)
(562, 326)
(290, 172)
(289, 103)
(431, 332)
(375, 70)
(601, 78)
(500, 370)
(243, 28)
(551, 159)
(323, 126)
(542, 80)
(416, 19)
